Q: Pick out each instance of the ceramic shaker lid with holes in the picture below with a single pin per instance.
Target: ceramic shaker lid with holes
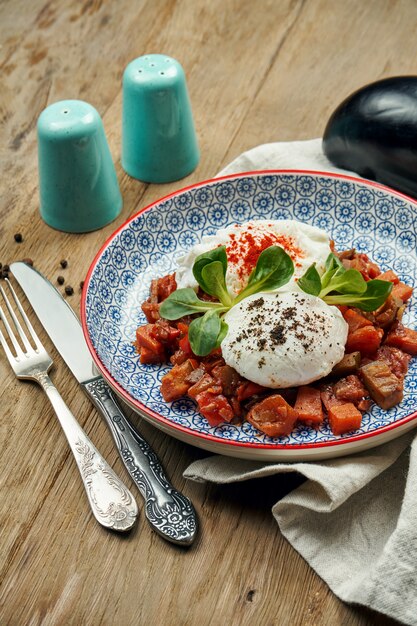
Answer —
(159, 143)
(78, 186)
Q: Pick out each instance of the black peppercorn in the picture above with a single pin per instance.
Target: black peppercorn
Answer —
(18, 237)
(69, 290)
(63, 263)
(60, 280)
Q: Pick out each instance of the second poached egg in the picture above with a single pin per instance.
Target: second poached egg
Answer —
(244, 242)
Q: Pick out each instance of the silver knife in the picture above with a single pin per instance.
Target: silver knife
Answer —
(168, 511)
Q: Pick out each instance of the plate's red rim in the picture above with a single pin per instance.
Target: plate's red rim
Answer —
(142, 408)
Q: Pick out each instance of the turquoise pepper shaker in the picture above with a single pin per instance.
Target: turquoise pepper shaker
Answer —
(78, 187)
(159, 143)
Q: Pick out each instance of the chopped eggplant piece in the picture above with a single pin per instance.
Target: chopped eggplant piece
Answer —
(383, 386)
(348, 365)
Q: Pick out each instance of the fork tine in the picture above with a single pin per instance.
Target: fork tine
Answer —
(10, 333)
(3, 341)
(16, 322)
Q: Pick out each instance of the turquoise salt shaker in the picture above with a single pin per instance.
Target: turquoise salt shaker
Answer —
(159, 143)
(78, 185)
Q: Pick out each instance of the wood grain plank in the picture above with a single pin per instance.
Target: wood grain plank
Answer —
(256, 72)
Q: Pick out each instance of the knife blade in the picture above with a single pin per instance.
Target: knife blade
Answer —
(170, 513)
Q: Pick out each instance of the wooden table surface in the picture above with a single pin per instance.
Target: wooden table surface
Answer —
(257, 71)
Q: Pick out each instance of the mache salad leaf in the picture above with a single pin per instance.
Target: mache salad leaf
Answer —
(339, 285)
(273, 269)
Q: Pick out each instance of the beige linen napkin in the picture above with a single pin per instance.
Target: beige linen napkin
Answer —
(354, 519)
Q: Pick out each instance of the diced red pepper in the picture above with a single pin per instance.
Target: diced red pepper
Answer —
(185, 346)
(215, 408)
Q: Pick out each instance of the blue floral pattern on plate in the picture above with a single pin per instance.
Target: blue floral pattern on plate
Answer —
(354, 213)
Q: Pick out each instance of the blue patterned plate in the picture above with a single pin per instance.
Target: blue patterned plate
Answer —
(355, 213)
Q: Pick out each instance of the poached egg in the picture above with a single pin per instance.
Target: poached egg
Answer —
(244, 242)
(284, 339)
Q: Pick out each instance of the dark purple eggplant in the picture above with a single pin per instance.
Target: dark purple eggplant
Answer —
(374, 132)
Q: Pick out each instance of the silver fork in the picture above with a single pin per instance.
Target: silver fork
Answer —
(111, 502)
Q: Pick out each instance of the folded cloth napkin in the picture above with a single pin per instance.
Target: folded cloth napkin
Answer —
(354, 519)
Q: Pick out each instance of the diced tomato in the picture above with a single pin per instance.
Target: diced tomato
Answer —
(148, 357)
(390, 275)
(273, 416)
(328, 397)
(153, 291)
(403, 338)
(165, 333)
(147, 344)
(397, 360)
(206, 383)
(344, 418)
(215, 408)
(355, 320)
(151, 310)
(165, 286)
(371, 269)
(174, 384)
(350, 389)
(308, 405)
(402, 291)
(247, 390)
(212, 360)
(366, 340)
(363, 264)
(235, 404)
(178, 357)
(228, 378)
(342, 308)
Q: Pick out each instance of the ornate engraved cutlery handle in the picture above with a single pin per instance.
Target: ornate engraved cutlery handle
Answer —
(169, 512)
(111, 502)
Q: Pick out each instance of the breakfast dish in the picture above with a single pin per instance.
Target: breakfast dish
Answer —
(254, 316)
(353, 213)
